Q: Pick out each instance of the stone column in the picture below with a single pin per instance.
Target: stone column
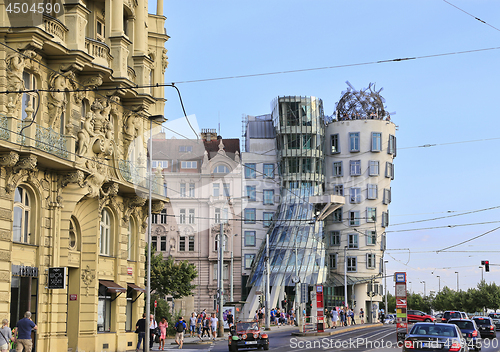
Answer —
(159, 7)
(140, 32)
(116, 18)
(76, 17)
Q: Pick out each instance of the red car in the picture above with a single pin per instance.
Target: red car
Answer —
(247, 335)
(416, 315)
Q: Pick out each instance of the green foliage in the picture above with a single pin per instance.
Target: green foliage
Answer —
(163, 309)
(169, 277)
(391, 303)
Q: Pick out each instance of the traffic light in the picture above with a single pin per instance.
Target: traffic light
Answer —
(261, 300)
(487, 265)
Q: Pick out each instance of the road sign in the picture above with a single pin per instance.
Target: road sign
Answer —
(400, 302)
(155, 303)
(400, 277)
(303, 292)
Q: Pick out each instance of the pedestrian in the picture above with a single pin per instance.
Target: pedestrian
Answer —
(23, 330)
(5, 336)
(353, 322)
(328, 319)
(199, 324)
(163, 332)
(152, 329)
(206, 327)
(362, 316)
(335, 316)
(214, 324)
(192, 324)
(140, 329)
(273, 312)
(180, 326)
(230, 319)
(260, 315)
(342, 317)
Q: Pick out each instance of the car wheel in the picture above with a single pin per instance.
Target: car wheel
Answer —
(427, 320)
(266, 347)
(234, 347)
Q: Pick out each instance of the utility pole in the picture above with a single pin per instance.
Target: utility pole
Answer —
(268, 293)
(385, 285)
(439, 285)
(345, 276)
(371, 301)
(297, 288)
(220, 286)
(456, 272)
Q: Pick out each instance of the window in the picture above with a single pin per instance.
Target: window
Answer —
(376, 141)
(100, 30)
(226, 189)
(130, 239)
(183, 190)
(337, 215)
(370, 260)
(191, 243)
(217, 215)
(189, 164)
(216, 190)
(352, 241)
(371, 214)
(74, 235)
(351, 264)
(128, 311)
(154, 243)
(154, 218)
(217, 242)
(163, 243)
(191, 190)
(293, 165)
(334, 143)
(249, 260)
(373, 168)
(389, 170)
(268, 196)
(29, 84)
(250, 216)
(387, 196)
(372, 191)
(225, 272)
(185, 148)
(306, 141)
(354, 142)
(332, 263)
(306, 165)
(182, 216)
(251, 193)
(163, 216)
(250, 239)
(268, 171)
(250, 170)
(337, 168)
(221, 169)
(385, 219)
(159, 163)
(355, 167)
(354, 218)
(165, 189)
(21, 226)
(103, 309)
(267, 217)
(338, 190)
(371, 237)
(191, 216)
(105, 233)
(334, 238)
(182, 243)
(391, 149)
(293, 141)
(355, 195)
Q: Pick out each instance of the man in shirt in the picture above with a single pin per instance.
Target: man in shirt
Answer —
(152, 328)
(23, 329)
(214, 323)
(180, 326)
(140, 327)
(230, 320)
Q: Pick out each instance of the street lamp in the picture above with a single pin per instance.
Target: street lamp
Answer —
(385, 284)
(157, 119)
(232, 261)
(439, 287)
(423, 282)
(410, 286)
(456, 272)
(482, 272)
(345, 277)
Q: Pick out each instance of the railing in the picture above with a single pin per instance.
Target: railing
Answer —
(48, 140)
(99, 50)
(4, 128)
(55, 27)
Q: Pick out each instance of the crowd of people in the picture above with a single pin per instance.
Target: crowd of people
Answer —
(343, 316)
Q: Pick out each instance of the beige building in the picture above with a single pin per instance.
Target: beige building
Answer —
(203, 182)
(73, 188)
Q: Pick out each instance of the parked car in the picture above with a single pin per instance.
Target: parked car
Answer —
(390, 319)
(416, 315)
(496, 319)
(247, 335)
(435, 337)
(470, 331)
(486, 326)
(453, 314)
(438, 317)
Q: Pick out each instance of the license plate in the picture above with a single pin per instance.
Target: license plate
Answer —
(483, 328)
(431, 345)
(250, 342)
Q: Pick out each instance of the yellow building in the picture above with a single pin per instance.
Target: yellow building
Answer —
(74, 129)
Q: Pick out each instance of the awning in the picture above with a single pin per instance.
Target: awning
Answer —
(112, 286)
(137, 288)
(337, 280)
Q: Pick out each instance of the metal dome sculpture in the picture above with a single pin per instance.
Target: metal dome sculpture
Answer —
(360, 105)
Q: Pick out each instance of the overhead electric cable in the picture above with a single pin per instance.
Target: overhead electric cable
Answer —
(476, 18)
(445, 226)
(470, 239)
(460, 142)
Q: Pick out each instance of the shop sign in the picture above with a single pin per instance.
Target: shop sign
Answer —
(21, 270)
(57, 278)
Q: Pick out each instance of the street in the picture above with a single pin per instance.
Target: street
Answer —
(377, 338)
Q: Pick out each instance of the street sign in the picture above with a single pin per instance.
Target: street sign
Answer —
(400, 302)
(155, 304)
(303, 292)
(400, 277)
(57, 278)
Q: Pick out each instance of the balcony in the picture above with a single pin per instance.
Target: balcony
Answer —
(55, 27)
(100, 51)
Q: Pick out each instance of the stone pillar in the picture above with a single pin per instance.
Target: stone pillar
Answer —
(116, 18)
(120, 52)
(159, 7)
(140, 33)
(76, 16)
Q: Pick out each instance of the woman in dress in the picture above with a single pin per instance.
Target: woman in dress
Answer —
(163, 332)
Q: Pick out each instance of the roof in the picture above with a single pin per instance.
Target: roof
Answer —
(261, 129)
(231, 146)
(166, 149)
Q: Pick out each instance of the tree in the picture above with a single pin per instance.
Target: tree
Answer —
(169, 277)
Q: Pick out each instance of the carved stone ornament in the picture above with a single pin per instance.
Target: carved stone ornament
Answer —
(88, 277)
(58, 83)
(25, 166)
(132, 204)
(164, 60)
(157, 206)
(237, 157)
(131, 126)
(110, 190)
(25, 163)
(9, 159)
(98, 176)
(73, 177)
(16, 63)
(215, 230)
(88, 83)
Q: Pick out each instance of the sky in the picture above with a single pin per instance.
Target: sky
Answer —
(447, 101)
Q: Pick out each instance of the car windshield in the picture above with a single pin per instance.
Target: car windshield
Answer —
(434, 330)
(464, 325)
(452, 315)
(247, 326)
(495, 316)
(482, 321)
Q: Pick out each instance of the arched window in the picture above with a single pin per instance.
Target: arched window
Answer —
(217, 242)
(74, 235)
(105, 233)
(29, 80)
(221, 169)
(21, 227)
(131, 239)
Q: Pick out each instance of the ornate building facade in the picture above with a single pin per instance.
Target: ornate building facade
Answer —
(73, 180)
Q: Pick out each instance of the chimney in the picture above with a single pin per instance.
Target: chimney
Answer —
(208, 134)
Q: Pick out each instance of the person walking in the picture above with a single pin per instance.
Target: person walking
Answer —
(353, 322)
(163, 332)
(214, 324)
(335, 316)
(206, 327)
(152, 329)
(260, 316)
(342, 317)
(361, 316)
(23, 330)
(230, 319)
(328, 319)
(199, 324)
(140, 329)
(180, 326)
(5, 336)
(192, 324)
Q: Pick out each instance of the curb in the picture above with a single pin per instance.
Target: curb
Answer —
(335, 332)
